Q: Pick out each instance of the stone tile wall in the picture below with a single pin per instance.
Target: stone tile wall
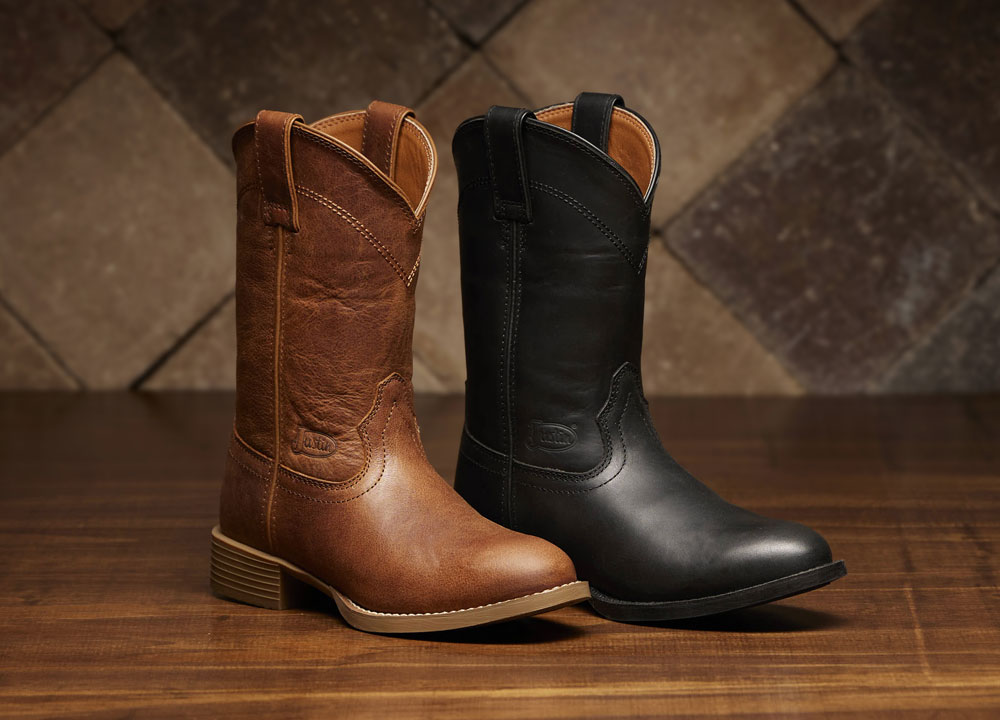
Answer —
(827, 220)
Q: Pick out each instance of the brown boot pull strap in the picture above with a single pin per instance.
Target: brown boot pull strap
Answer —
(272, 135)
(382, 125)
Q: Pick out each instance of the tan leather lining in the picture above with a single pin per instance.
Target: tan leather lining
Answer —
(629, 142)
(414, 168)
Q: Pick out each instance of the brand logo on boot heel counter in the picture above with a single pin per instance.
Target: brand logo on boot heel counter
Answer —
(551, 436)
(313, 444)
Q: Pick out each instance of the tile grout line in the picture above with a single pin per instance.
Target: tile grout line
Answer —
(466, 41)
(214, 310)
(112, 34)
(789, 110)
(224, 159)
(51, 107)
(514, 87)
(945, 317)
(658, 234)
(180, 342)
(956, 168)
(903, 111)
(500, 24)
(911, 121)
(45, 112)
(150, 371)
(34, 334)
(842, 61)
(704, 193)
(440, 81)
(796, 5)
(477, 49)
(509, 82)
(504, 21)
(87, 73)
(957, 171)
(474, 50)
(116, 37)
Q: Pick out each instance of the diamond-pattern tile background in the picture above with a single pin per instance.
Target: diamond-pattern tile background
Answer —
(25, 365)
(709, 76)
(118, 229)
(827, 219)
(941, 63)
(839, 238)
(220, 62)
(46, 48)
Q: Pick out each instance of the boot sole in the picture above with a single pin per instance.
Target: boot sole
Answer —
(248, 575)
(625, 611)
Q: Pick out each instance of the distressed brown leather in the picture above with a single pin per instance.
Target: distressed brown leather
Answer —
(325, 467)
(382, 124)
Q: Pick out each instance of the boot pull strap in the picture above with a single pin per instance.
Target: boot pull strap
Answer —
(504, 131)
(380, 139)
(592, 117)
(272, 133)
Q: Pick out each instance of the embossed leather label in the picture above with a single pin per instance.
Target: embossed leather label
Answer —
(551, 436)
(313, 444)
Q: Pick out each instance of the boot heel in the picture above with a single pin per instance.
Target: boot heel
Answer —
(247, 575)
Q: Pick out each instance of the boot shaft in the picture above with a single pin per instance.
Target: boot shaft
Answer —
(330, 218)
(554, 228)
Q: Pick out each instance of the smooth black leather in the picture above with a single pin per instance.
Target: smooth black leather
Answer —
(592, 114)
(558, 440)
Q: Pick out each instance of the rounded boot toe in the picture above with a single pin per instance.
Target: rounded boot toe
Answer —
(779, 550)
(523, 565)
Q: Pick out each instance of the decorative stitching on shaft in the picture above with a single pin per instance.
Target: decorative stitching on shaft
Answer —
(599, 224)
(360, 228)
(604, 160)
(397, 198)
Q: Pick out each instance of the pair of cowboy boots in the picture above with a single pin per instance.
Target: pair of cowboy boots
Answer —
(560, 475)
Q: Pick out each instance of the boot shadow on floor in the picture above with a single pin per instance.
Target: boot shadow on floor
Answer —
(759, 619)
(526, 631)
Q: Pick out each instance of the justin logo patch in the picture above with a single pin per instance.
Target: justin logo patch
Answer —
(551, 436)
(313, 444)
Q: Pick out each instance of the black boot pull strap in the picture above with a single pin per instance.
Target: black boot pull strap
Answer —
(508, 171)
(592, 116)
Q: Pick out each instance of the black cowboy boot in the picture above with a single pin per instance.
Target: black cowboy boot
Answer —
(558, 441)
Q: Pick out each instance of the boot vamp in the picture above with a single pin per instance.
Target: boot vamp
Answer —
(661, 545)
(644, 529)
(398, 538)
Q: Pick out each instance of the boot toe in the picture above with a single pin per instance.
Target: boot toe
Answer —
(523, 565)
(779, 550)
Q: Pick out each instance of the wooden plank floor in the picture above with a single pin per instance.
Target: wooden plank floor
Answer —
(107, 502)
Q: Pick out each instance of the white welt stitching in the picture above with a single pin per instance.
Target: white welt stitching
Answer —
(450, 612)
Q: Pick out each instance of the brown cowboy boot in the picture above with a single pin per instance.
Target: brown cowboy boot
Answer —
(327, 482)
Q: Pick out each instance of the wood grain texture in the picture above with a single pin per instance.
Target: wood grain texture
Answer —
(106, 502)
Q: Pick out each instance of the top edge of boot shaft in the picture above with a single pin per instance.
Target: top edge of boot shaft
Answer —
(628, 132)
(404, 158)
